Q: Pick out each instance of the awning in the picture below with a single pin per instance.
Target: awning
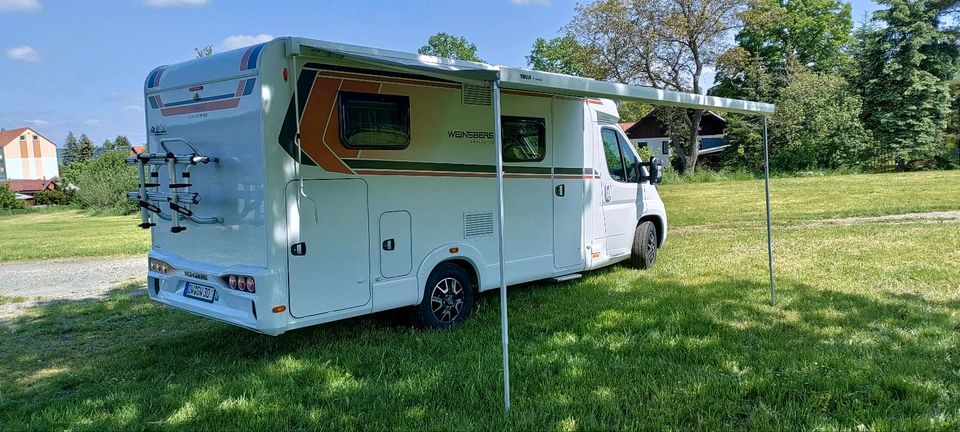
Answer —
(520, 79)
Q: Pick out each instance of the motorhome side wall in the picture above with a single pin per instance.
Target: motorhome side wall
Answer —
(442, 185)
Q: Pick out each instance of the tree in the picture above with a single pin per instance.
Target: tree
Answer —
(903, 68)
(450, 46)
(664, 43)
(85, 149)
(108, 145)
(70, 149)
(560, 55)
(121, 142)
(8, 199)
(206, 51)
(103, 183)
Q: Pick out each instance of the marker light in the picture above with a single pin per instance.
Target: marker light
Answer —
(159, 266)
(278, 309)
(286, 74)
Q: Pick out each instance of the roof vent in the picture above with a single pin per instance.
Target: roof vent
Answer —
(476, 95)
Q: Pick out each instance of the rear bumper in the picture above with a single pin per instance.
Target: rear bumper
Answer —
(252, 311)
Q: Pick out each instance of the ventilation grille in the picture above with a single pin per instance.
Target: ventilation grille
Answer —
(477, 95)
(477, 224)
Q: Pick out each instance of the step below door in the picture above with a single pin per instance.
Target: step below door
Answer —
(331, 270)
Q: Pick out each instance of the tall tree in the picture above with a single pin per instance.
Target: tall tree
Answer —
(70, 149)
(668, 44)
(904, 65)
(108, 145)
(121, 142)
(85, 148)
(450, 46)
(560, 55)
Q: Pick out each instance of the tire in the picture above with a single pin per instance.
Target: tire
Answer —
(447, 298)
(645, 242)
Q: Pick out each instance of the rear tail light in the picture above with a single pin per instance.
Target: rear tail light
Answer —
(159, 266)
(240, 282)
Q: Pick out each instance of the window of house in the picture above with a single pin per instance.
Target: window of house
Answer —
(524, 139)
(23, 137)
(34, 137)
(374, 121)
(665, 147)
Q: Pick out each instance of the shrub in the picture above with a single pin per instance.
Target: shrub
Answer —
(8, 199)
(103, 183)
(51, 197)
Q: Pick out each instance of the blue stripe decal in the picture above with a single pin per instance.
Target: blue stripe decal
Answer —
(248, 87)
(206, 99)
(252, 62)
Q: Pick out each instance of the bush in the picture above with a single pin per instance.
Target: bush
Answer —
(103, 183)
(8, 199)
(51, 197)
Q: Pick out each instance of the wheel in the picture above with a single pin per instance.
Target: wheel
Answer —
(644, 253)
(447, 298)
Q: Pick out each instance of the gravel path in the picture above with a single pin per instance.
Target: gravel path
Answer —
(65, 279)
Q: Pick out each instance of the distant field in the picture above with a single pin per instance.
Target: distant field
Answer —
(69, 233)
(864, 336)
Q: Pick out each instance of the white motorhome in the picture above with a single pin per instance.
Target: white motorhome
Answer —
(298, 182)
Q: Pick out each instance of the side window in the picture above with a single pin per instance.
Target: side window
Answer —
(665, 147)
(611, 149)
(630, 161)
(524, 139)
(374, 121)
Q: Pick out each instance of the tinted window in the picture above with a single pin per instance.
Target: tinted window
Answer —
(374, 121)
(611, 149)
(524, 139)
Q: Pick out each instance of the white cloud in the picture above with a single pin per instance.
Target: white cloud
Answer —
(531, 2)
(38, 122)
(240, 41)
(20, 6)
(91, 122)
(132, 108)
(24, 54)
(175, 3)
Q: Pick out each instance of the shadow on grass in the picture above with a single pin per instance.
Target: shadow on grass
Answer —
(617, 349)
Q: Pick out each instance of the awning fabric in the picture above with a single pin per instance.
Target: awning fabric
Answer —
(521, 79)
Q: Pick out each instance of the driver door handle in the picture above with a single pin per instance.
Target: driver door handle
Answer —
(607, 195)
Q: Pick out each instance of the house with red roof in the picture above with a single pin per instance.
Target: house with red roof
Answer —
(25, 154)
(26, 189)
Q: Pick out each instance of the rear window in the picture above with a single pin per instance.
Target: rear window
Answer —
(374, 121)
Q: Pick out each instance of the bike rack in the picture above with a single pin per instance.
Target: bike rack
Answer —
(179, 199)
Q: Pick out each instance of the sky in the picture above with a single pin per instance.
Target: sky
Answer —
(68, 65)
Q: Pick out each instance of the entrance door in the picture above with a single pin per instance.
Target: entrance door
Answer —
(330, 271)
(619, 192)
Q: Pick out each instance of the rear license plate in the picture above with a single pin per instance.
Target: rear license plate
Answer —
(199, 292)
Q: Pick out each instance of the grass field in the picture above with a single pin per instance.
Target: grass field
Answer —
(864, 336)
(69, 233)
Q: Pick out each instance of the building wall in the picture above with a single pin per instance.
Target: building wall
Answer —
(34, 157)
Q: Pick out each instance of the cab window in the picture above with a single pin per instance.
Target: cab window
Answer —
(611, 150)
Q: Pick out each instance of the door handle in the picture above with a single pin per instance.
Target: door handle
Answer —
(607, 196)
(560, 190)
(389, 244)
(298, 249)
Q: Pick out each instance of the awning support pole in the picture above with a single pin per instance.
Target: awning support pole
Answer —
(504, 338)
(766, 177)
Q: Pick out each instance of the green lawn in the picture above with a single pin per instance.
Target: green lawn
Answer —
(864, 336)
(69, 233)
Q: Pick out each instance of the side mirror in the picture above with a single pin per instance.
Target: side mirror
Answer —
(655, 170)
